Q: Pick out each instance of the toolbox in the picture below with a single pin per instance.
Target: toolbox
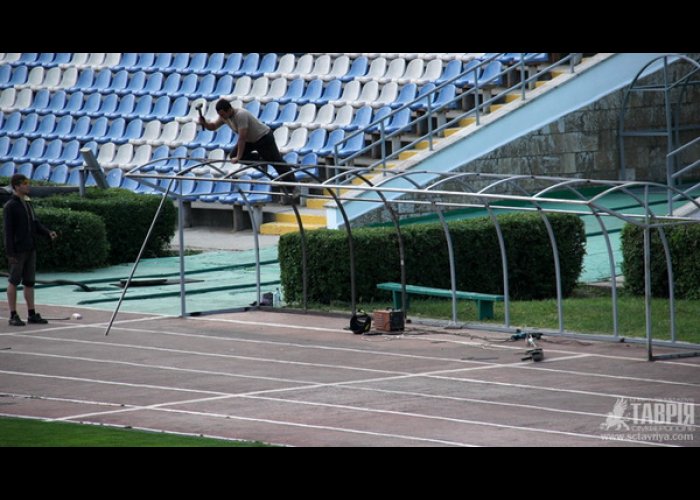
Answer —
(389, 320)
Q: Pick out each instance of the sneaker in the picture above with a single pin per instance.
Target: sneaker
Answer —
(36, 319)
(16, 321)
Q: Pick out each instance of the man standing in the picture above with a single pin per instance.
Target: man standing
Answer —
(253, 135)
(21, 228)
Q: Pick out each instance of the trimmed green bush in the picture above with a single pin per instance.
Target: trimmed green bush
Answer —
(127, 217)
(684, 244)
(477, 256)
(82, 242)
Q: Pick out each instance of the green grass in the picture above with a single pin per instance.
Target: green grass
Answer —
(588, 311)
(19, 432)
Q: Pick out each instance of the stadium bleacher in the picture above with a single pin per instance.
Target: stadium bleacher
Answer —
(136, 108)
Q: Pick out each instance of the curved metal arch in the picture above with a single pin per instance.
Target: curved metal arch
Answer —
(552, 241)
(448, 237)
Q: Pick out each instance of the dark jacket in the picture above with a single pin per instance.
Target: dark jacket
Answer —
(21, 226)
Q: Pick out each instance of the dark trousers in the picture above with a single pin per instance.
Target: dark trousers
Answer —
(267, 149)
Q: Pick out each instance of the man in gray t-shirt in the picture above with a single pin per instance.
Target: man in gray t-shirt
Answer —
(253, 135)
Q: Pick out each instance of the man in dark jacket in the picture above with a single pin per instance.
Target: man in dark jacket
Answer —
(21, 229)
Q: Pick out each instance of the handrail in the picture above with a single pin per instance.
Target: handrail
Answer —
(479, 84)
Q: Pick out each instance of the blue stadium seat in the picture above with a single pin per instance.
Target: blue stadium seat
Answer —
(294, 91)
(187, 87)
(7, 169)
(63, 126)
(451, 70)
(249, 65)
(12, 123)
(127, 62)
(334, 138)
(98, 130)
(196, 64)
(312, 92)
(137, 81)
(34, 153)
(90, 105)
(235, 196)
(5, 146)
(108, 105)
(103, 80)
(143, 108)
(59, 174)
(26, 169)
(422, 98)
(79, 130)
(169, 86)
(45, 103)
(221, 189)
(308, 160)
(70, 155)
(18, 77)
(119, 82)
(400, 121)
(115, 177)
(46, 126)
(358, 68)
(74, 104)
(269, 112)
(288, 114)
(469, 79)
(154, 82)
(52, 152)
(113, 133)
(331, 92)
(214, 64)
(86, 79)
(178, 108)
(224, 86)
(406, 95)
(133, 130)
(126, 107)
(29, 124)
(317, 138)
(161, 63)
(203, 187)
(205, 87)
(232, 64)
(179, 63)
(42, 172)
(267, 65)
(378, 115)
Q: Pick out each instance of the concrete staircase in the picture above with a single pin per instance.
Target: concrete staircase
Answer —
(314, 213)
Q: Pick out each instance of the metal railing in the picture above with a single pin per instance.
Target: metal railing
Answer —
(440, 112)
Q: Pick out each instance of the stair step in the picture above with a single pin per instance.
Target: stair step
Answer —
(405, 155)
(449, 131)
(319, 218)
(465, 122)
(317, 203)
(286, 227)
(513, 96)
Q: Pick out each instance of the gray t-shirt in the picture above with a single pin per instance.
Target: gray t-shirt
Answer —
(244, 119)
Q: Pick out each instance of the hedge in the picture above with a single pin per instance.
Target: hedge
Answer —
(477, 255)
(127, 217)
(82, 242)
(684, 244)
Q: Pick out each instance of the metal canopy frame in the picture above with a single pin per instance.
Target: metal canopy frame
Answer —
(339, 188)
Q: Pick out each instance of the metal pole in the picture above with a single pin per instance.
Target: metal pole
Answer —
(181, 245)
(453, 273)
(138, 257)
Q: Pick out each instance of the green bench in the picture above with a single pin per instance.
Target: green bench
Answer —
(484, 301)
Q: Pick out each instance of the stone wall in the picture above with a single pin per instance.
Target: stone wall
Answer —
(585, 143)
